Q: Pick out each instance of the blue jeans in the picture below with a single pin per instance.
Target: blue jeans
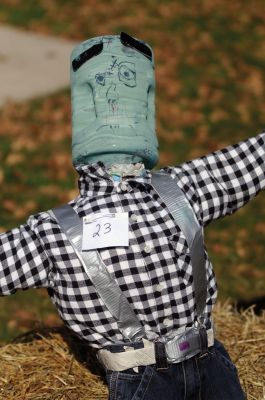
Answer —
(212, 376)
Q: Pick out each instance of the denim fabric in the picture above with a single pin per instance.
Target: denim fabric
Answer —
(212, 376)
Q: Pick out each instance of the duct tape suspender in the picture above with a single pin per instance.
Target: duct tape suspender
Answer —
(107, 288)
(186, 219)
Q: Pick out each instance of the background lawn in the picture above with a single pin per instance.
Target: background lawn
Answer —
(210, 63)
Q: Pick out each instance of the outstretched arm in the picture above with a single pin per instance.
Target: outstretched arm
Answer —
(221, 182)
(23, 261)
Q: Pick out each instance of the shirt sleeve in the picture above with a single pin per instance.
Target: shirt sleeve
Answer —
(23, 261)
(220, 183)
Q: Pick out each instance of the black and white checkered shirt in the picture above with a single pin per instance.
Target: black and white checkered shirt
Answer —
(154, 272)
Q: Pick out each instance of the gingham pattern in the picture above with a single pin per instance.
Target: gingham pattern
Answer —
(155, 271)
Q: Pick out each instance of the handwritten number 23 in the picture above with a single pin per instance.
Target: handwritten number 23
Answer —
(107, 229)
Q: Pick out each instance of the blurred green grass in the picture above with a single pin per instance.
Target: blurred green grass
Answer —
(210, 60)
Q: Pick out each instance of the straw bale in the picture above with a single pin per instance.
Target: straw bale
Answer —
(243, 334)
(53, 365)
(48, 368)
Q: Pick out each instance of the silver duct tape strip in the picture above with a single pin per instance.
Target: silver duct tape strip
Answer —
(107, 288)
(177, 204)
(199, 274)
(184, 216)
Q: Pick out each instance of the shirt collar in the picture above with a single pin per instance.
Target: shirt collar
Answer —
(96, 179)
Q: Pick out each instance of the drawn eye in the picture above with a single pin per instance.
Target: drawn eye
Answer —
(100, 78)
(127, 74)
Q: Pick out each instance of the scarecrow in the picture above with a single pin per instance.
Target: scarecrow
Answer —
(124, 262)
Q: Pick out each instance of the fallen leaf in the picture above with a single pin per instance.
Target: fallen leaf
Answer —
(2, 176)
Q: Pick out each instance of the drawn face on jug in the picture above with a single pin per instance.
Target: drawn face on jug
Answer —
(113, 110)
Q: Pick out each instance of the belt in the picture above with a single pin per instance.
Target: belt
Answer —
(193, 341)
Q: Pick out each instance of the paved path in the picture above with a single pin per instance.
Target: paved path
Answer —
(31, 64)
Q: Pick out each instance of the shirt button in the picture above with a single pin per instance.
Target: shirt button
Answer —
(167, 322)
(160, 287)
(124, 186)
(134, 217)
(147, 249)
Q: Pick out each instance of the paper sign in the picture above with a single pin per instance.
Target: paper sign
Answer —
(105, 230)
